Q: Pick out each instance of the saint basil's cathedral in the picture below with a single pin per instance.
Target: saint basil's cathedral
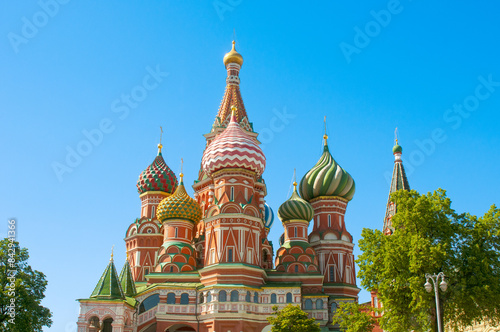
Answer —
(204, 263)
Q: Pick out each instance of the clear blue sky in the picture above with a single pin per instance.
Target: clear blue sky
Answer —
(65, 73)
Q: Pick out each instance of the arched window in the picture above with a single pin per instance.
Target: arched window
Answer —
(170, 298)
(94, 322)
(222, 296)
(256, 297)
(171, 269)
(201, 298)
(235, 296)
(334, 307)
(308, 305)
(273, 298)
(248, 298)
(184, 298)
(296, 268)
(209, 297)
(106, 325)
(149, 303)
(289, 298)
(319, 304)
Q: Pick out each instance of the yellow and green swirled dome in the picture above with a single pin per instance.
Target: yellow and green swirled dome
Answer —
(179, 206)
(327, 178)
(295, 208)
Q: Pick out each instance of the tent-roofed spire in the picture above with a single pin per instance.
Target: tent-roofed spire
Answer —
(232, 95)
(398, 181)
(109, 286)
(127, 281)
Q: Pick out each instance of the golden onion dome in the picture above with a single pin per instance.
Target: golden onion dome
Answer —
(233, 57)
(179, 206)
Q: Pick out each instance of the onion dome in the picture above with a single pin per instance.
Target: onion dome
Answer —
(233, 148)
(397, 148)
(295, 208)
(179, 206)
(233, 57)
(268, 216)
(157, 177)
(327, 178)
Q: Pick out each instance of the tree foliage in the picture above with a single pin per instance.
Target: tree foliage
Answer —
(22, 290)
(353, 317)
(430, 237)
(292, 319)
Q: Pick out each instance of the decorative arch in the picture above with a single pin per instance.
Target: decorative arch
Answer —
(251, 211)
(231, 208)
(213, 211)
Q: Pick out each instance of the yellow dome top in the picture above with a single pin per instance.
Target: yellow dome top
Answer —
(233, 57)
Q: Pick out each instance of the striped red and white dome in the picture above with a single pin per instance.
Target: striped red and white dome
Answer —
(233, 148)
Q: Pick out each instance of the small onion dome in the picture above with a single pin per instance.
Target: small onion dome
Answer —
(233, 57)
(233, 148)
(268, 216)
(327, 178)
(397, 148)
(295, 208)
(157, 177)
(179, 206)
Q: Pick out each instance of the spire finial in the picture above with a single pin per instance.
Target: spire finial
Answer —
(396, 136)
(159, 145)
(325, 136)
(182, 167)
(112, 248)
(294, 180)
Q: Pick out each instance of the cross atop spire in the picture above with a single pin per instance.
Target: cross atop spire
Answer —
(396, 134)
(325, 136)
(112, 248)
(159, 145)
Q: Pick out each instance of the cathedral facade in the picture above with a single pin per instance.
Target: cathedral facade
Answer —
(204, 263)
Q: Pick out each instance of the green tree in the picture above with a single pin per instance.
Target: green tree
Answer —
(430, 237)
(353, 317)
(292, 319)
(21, 291)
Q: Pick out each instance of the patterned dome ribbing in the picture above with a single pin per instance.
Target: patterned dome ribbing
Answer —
(327, 178)
(233, 148)
(268, 216)
(295, 208)
(157, 177)
(179, 206)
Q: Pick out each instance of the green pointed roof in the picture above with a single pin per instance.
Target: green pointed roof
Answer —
(109, 286)
(399, 181)
(127, 281)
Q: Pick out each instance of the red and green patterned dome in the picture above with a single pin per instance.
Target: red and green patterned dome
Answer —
(157, 177)
(179, 206)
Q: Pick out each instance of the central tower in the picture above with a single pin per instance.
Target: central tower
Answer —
(232, 241)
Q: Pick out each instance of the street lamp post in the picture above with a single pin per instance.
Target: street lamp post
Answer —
(428, 287)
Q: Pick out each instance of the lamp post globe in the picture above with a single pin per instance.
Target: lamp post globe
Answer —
(428, 286)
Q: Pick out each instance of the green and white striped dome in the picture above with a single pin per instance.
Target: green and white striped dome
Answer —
(295, 208)
(327, 178)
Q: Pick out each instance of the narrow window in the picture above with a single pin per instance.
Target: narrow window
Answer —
(246, 194)
(222, 296)
(146, 271)
(171, 269)
(289, 298)
(249, 255)
(296, 268)
(329, 220)
(308, 305)
(153, 212)
(230, 255)
(295, 231)
(212, 256)
(232, 194)
(234, 296)
(209, 297)
(332, 274)
(248, 297)
(348, 275)
(319, 304)
(255, 297)
(273, 298)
